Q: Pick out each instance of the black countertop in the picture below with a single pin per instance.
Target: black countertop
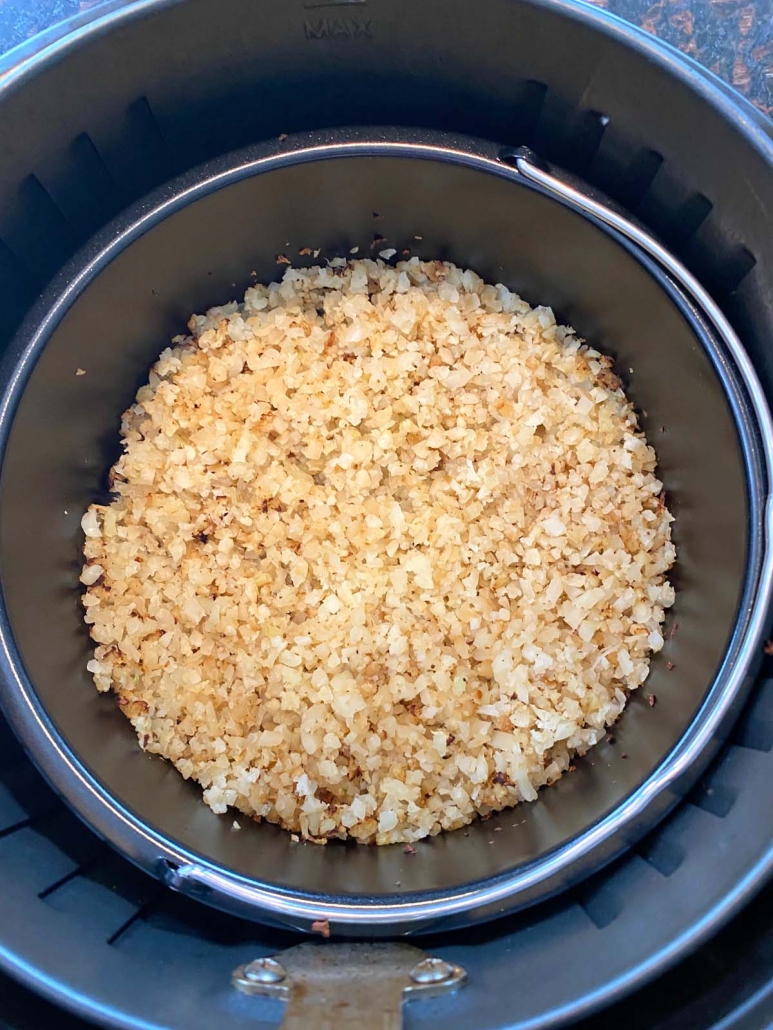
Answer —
(734, 38)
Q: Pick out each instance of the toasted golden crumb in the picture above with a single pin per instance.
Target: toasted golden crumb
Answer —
(387, 550)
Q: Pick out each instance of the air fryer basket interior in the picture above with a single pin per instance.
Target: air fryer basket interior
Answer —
(65, 437)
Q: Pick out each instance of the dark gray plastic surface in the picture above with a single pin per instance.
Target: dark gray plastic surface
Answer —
(98, 137)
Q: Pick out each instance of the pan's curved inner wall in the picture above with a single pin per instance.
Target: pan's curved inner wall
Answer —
(65, 437)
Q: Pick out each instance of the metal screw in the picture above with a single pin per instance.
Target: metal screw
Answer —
(432, 971)
(264, 971)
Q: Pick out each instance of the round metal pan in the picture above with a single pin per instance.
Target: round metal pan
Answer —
(193, 243)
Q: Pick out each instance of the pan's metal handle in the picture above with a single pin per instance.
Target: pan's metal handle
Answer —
(347, 986)
(532, 168)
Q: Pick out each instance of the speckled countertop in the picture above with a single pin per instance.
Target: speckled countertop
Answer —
(734, 38)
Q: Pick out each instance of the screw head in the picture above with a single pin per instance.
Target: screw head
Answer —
(264, 971)
(432, 971)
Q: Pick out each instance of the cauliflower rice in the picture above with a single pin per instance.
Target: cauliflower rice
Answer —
(387, 549)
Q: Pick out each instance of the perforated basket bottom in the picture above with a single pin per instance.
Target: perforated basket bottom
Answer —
(95, 935)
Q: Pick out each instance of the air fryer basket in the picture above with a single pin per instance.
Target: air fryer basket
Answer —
(197, 242)
(149, 91)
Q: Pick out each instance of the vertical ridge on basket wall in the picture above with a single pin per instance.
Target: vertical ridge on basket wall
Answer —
(660, 850)
(559, 125)
(10, 749)
(587, 137)
(134, 150)
(82, 186)
(755, 727)
(37, 230)
(600, 898)
(623, 168)
(527, 103)
(740, 264)
(17, 289)
(673, 209)
(23, 797)
(722, 265)
(686, 219)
